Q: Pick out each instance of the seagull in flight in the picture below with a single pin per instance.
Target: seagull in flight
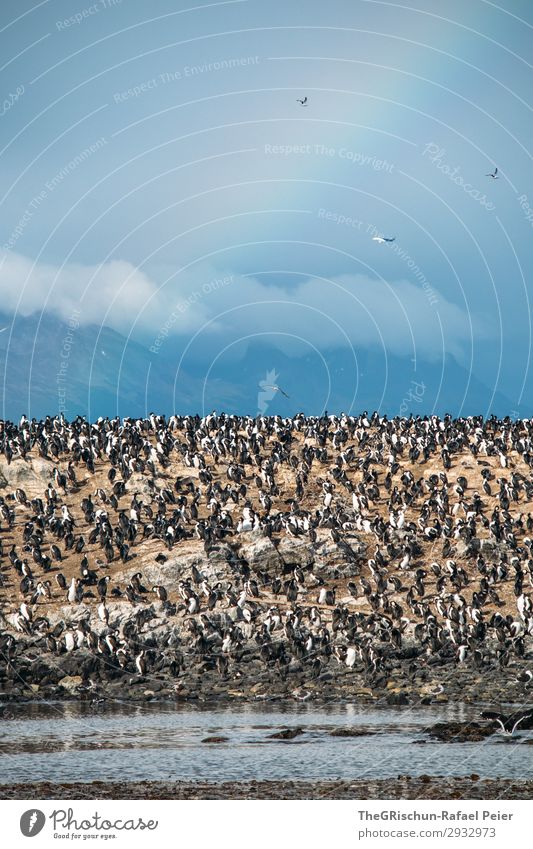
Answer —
(508, 723)
(303, 101)
(275, 388)
(494, 174)
(383, 239)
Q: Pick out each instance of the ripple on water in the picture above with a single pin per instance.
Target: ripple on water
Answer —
(69, 742)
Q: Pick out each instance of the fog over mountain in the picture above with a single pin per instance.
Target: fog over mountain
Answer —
(50, 366)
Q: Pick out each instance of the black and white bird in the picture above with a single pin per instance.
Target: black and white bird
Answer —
(140, 663)
(508, 722)
(383, 239)
(302, 101)
(525, 677)
(494, 174)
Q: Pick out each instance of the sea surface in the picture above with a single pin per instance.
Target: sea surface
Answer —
(66, 742)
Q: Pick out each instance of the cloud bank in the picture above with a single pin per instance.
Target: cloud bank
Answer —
(222, 307)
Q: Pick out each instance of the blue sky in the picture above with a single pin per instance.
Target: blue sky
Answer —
(149, 151)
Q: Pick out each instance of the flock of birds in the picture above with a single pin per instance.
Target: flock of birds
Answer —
(418, 534)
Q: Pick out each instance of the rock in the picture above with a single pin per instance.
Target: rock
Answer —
(39, 670)
(156, 686)
(218, 558)
(175, 569)
(286, 734)
(70, 665)
(459, 732)
(397, 699)
(332, 563)
(215, 740)
(30, 475)
(296, 551)
(351, 732)
(492, 550)
(262, 552)
(139, 483)
(70, 682)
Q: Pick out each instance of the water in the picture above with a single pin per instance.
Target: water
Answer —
(150, 742)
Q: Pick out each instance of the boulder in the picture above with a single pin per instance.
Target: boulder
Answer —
(31, 475)
(70, 682)
(170, 574)
(294, 550)
(260, 552)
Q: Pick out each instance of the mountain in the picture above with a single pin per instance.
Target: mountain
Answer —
(47, 367)
(339, 382)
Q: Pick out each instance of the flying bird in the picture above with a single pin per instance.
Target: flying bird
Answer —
(275, 388)
(494, 174)
(508, 723)
(383, 239)
(303, 101)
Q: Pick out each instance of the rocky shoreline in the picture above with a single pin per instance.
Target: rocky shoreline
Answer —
(402, 787)
(181, 672)
(40, 678)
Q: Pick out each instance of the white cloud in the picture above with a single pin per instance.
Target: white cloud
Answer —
(26, 288)
(325, 313)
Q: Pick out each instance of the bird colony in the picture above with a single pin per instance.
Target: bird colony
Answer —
(303, 557)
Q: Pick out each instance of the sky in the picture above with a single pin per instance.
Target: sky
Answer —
(158, 175)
